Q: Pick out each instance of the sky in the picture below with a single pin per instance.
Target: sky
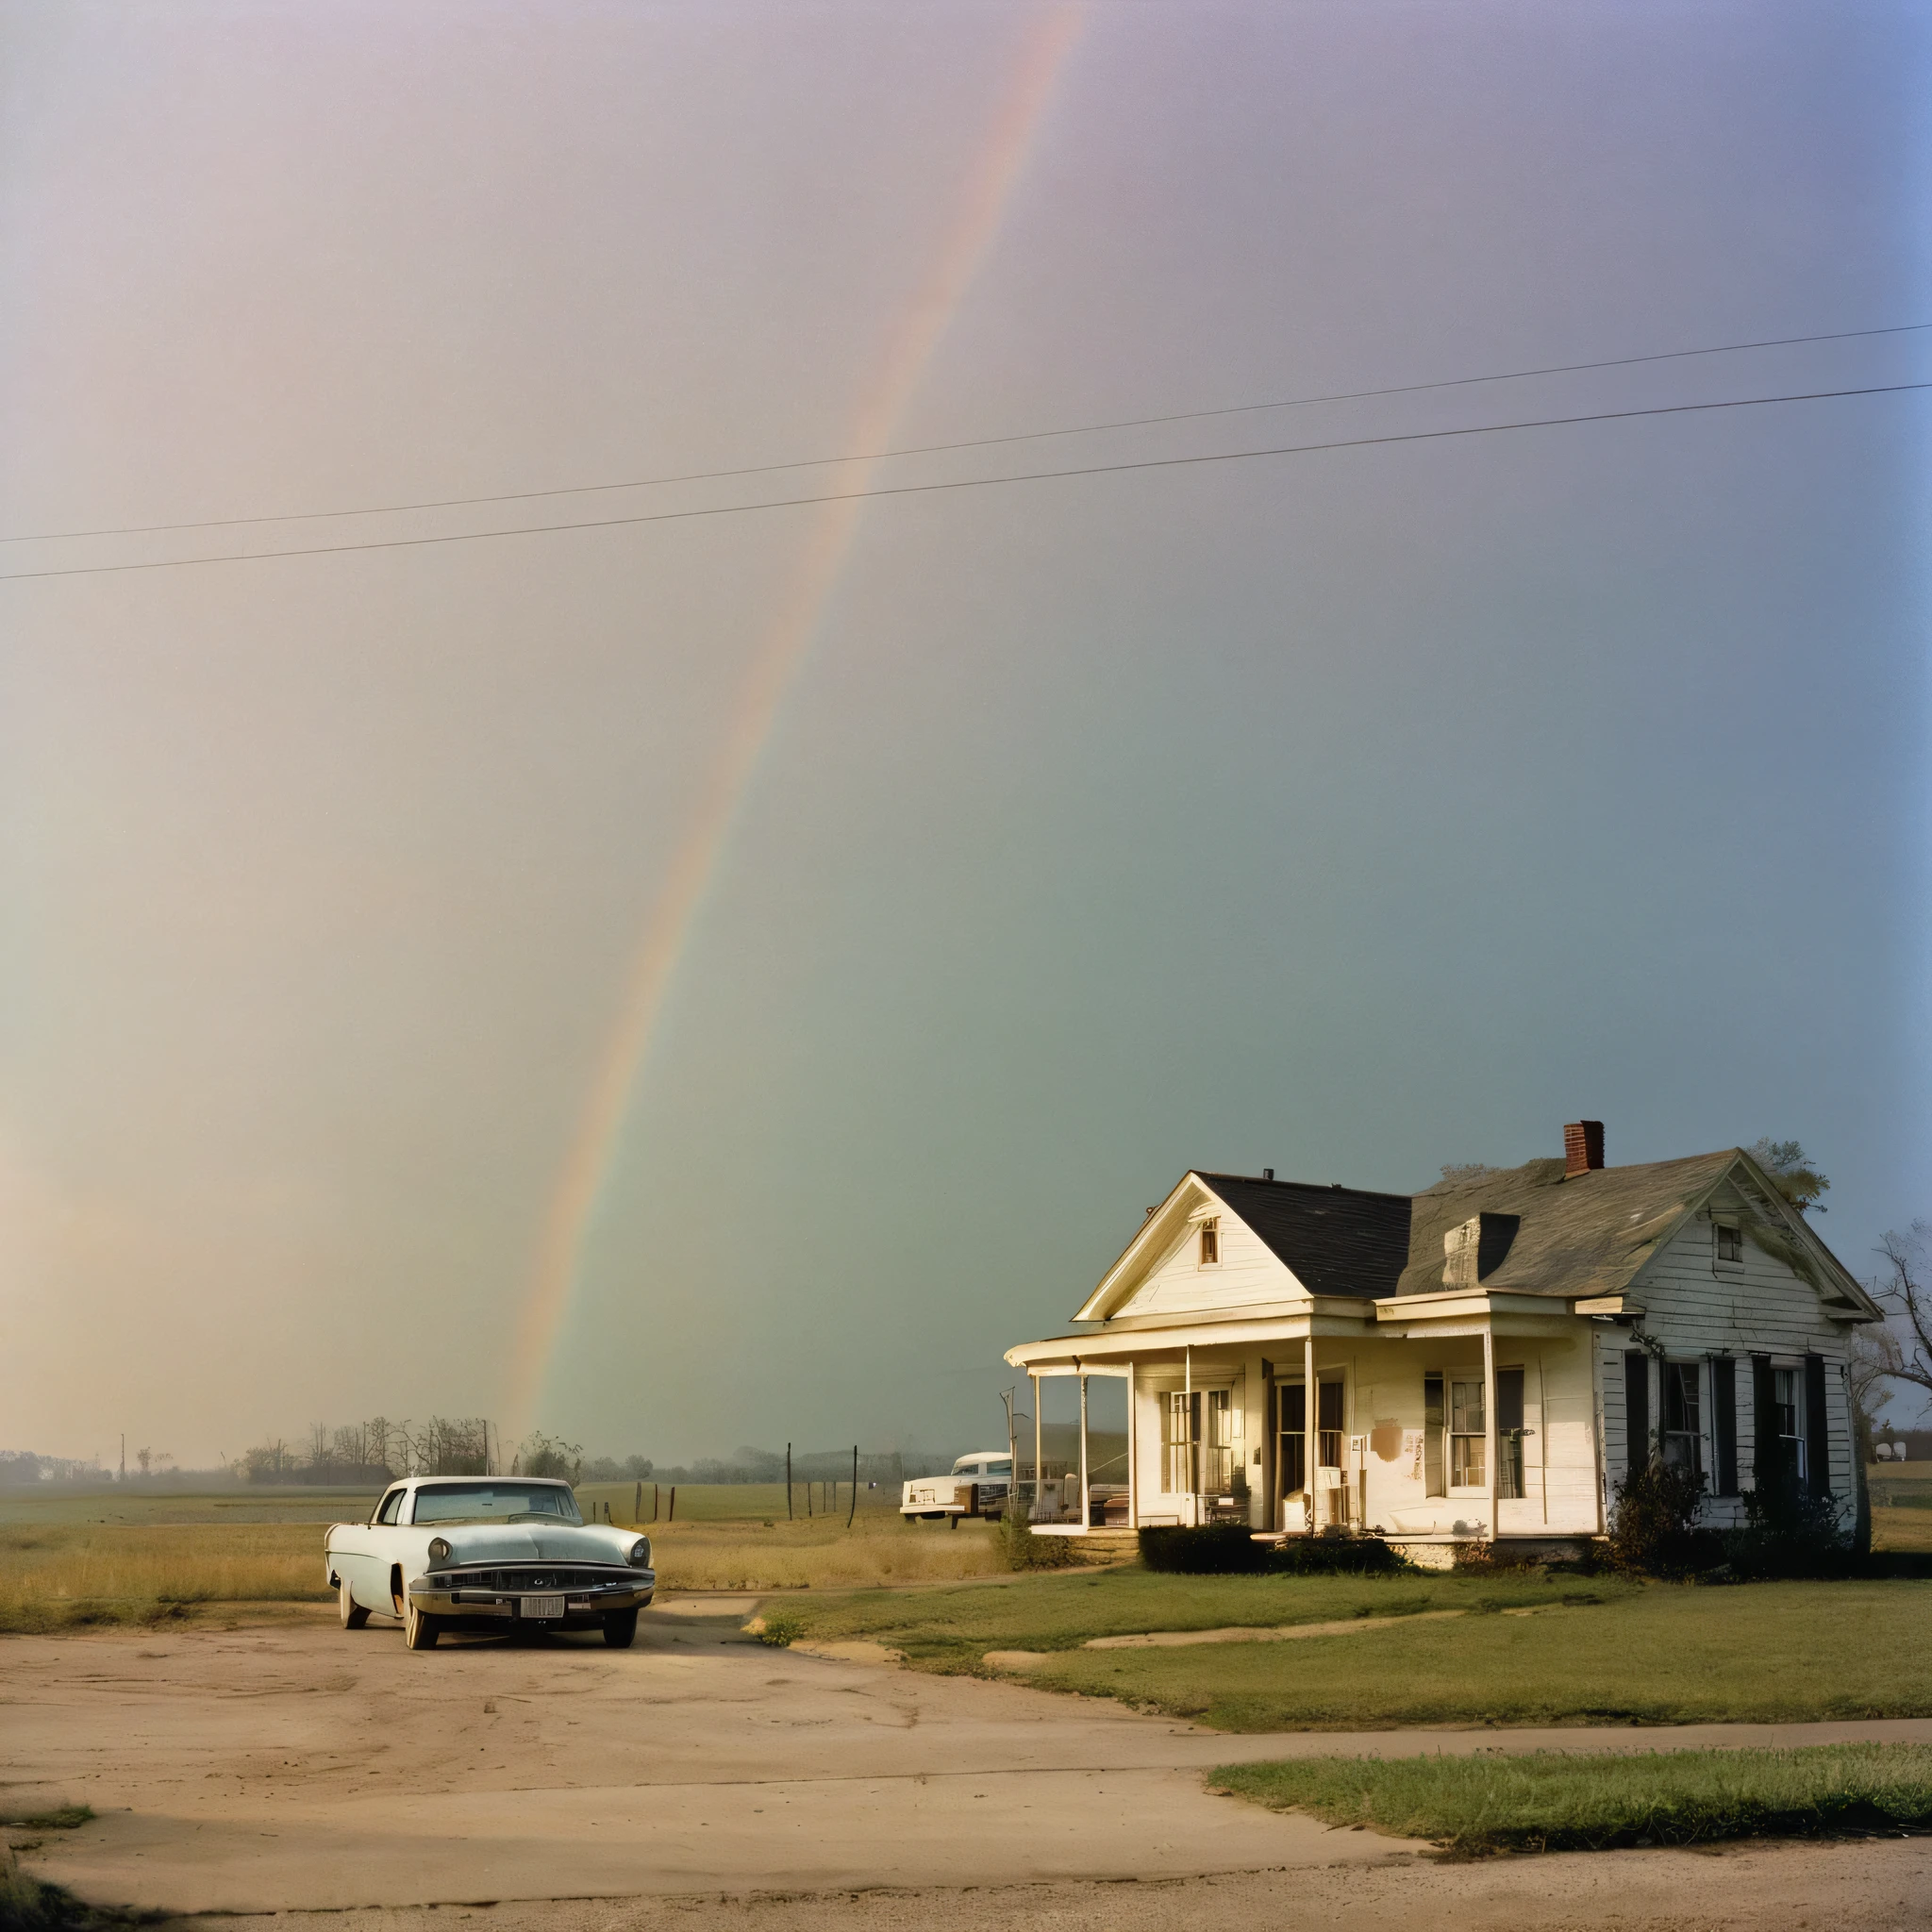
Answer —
(722, 979)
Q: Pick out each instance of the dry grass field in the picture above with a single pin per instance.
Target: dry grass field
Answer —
(135, 1556)
(1902, 1505)
(163, 1503)
(819, 1555)
(57, 1574)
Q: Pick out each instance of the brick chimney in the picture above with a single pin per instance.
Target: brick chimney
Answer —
(1583, 1148)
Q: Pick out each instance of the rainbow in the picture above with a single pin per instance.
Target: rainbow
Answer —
(984, 199)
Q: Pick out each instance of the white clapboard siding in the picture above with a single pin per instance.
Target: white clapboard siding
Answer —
(1695, 1306)
(1569, 1435)
(1247, 1273)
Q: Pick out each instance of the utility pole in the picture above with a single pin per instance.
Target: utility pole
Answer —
(123, 1457)
(853, 1510)
(788, 1480)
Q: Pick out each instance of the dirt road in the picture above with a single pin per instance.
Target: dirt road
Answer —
(291, 1768)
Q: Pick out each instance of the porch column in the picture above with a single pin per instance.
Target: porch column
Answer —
(1490, 1443)
(1086, 1506)
(1033, 1513)
(1268, 1451)
(1133, 1448)
(1311, 1414)
(1193, 1513)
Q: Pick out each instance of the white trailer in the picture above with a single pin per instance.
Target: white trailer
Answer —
(978, 1486)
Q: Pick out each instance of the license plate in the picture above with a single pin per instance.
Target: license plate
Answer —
(543, 1606)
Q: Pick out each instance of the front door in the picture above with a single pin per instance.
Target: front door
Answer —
(1290, 1453)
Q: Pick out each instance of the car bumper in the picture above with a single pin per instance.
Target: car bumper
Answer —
(583, 1609)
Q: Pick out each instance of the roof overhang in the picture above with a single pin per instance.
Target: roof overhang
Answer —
(1843, 1296)
(1318, 1315)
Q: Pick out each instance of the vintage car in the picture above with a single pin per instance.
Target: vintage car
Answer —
(488, 1555)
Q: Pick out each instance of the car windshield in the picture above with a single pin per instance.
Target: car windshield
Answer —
(495, 1501)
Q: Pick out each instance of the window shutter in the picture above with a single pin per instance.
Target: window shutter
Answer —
(1817, 1439)
(1723, 1422)
(1637, 1410)
(1765, 1455)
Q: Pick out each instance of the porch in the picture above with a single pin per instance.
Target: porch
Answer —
(1474, 1431)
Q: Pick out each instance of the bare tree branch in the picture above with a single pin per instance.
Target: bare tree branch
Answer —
(1902, 1350)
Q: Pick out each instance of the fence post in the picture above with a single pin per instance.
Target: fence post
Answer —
(672, 1517)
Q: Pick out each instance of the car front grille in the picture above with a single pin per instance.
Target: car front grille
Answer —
(533, 1578)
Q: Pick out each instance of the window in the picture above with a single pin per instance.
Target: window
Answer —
(1197, 1442)
(1211, 1243)
(1683, 1433)
(1180, 1431)
(497, 1502)
(1468, 1434)
(391, 1504)
(1730, 1243)
(1217, 1450)
(1788, 1415)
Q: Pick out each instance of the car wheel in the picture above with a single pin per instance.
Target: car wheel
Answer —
(420, 1629)
(620, 1628)
(352, 1614)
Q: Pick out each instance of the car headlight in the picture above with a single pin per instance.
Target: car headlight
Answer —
(641, 1553)
(439, 1550)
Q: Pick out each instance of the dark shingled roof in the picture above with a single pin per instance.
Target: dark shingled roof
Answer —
(1338, 1240)
(1587, 1234)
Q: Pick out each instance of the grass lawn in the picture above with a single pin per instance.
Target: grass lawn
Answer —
(1555, 1802)
(952, 1629)
(1638, 1653)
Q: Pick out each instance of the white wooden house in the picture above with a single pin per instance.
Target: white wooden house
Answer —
(1482, 1361)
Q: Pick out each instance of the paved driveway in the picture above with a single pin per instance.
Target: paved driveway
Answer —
(306, 1766)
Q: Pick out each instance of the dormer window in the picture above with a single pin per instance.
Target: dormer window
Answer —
(1211, 1243)
(1730, 1243)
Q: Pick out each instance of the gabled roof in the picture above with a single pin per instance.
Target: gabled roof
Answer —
(1335, 1241)
(1590, 1233)
(1574, 1237)
(1332, 1241)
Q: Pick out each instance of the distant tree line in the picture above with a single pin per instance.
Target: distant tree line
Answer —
(375, 1452)
(23, 1466)
(367, 1455)
(370, 1454)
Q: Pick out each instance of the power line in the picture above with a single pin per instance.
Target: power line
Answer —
(672, 516)
(1407, 389)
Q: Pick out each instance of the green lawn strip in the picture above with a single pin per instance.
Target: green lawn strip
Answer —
(60, 1818)
(952, 1628)
(1762, 1653)
(1553, 1802)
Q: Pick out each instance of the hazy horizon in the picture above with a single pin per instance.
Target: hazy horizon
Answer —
(720, 981)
